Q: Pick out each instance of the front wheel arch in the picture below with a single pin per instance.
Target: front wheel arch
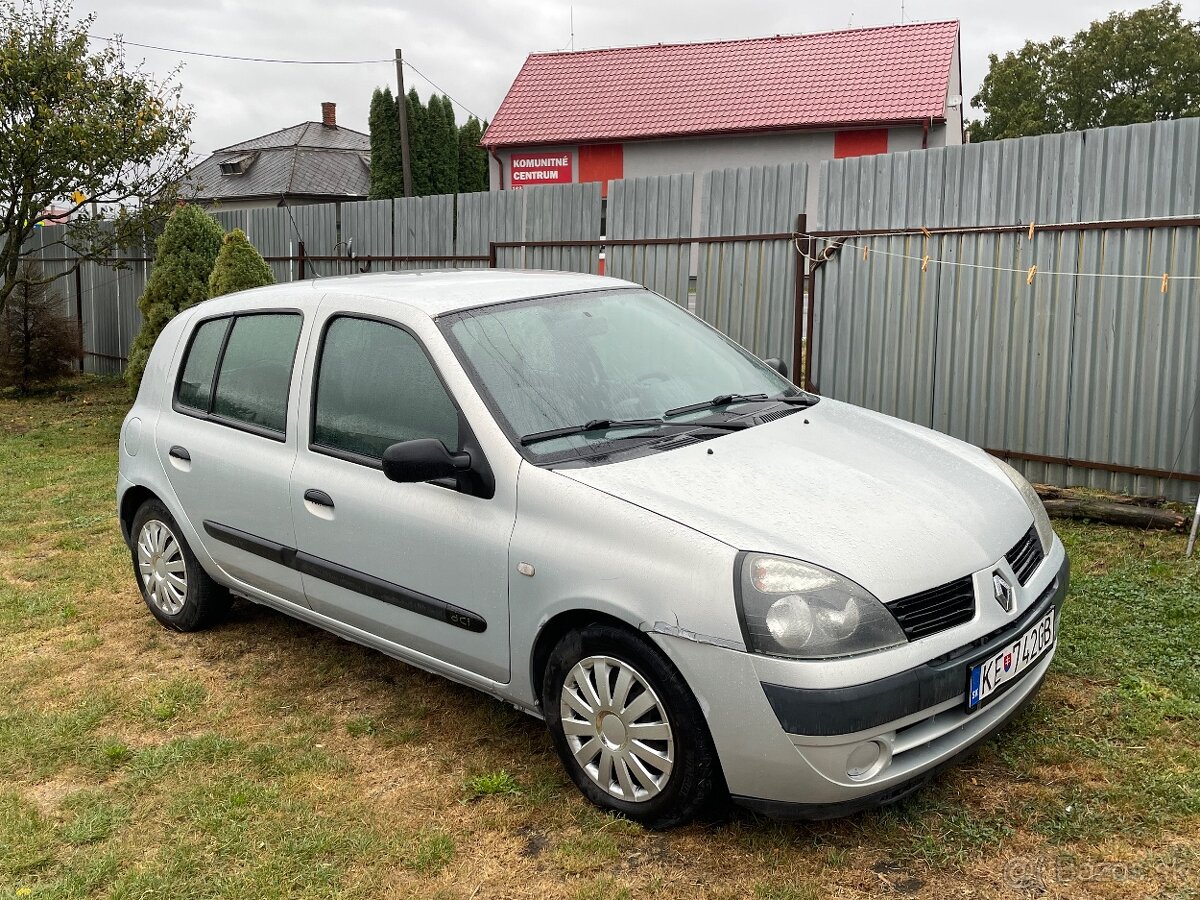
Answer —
(555, 629)
(696, 781)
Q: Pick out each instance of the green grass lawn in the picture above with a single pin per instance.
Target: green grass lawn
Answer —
(268, 759)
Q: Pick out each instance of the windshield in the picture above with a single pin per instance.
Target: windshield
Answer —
(559, 362)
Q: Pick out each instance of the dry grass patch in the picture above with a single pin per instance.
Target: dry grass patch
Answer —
(268, 759)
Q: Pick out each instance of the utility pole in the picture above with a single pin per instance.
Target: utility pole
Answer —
(402, 111)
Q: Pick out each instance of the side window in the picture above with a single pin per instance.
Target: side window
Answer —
(256, 370)
(195, 384)
(375, 387)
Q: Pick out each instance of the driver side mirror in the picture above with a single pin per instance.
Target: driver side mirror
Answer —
(778, 365)
(426, 459)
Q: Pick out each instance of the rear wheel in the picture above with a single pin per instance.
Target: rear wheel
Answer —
(627, 727)
(177, 590)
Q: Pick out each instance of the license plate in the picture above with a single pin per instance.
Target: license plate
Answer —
(1010, 662)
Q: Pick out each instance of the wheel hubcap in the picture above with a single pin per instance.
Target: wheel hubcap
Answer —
(162, 567)
(617, 728)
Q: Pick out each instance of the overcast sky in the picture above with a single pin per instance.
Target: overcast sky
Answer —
(472, 50)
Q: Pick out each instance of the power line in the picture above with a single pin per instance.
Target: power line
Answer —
(287, 62)
(255, 59)
(436, 88)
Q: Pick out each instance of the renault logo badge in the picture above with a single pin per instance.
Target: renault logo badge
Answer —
(1003, 591)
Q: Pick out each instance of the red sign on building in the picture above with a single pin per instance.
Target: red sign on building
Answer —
(526, 169)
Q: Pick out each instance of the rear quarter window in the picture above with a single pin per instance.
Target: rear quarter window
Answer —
(200, 367)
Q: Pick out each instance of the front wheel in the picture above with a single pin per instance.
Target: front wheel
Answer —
(627, 727)
(178, 591)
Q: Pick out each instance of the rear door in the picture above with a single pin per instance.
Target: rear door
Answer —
(424, 566)
(228, 443)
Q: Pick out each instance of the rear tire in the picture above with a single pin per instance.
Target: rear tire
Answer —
(177, 590)
(627, 728)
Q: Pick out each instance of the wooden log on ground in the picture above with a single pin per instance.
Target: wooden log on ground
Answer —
(1116, 513)
(1051, 492)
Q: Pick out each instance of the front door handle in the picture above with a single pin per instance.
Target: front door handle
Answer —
(312, 495)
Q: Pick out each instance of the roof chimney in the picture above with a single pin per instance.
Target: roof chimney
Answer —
(329, 114)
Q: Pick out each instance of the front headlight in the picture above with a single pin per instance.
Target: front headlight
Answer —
(1041, 519)
(795, 609)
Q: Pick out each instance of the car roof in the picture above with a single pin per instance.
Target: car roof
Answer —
(438, 291)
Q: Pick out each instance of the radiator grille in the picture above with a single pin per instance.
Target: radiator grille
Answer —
(1026, 556)
(937, 609)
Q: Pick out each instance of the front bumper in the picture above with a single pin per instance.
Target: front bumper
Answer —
(786, 748)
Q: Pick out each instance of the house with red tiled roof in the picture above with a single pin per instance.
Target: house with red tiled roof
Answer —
(599, 115)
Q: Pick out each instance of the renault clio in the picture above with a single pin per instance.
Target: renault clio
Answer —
(573, 495)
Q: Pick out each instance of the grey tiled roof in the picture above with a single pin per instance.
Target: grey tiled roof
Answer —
(306, 159)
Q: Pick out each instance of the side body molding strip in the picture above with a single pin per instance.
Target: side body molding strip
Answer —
(350, 579)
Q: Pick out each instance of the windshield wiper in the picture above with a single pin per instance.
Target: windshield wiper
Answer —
(796, 399)
(719, 400)
(592, 425)
(609, 424)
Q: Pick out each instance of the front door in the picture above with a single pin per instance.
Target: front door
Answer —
(227, 448)
(423, 566)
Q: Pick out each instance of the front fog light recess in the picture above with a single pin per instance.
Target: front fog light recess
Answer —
(867, 760)
(796, 609)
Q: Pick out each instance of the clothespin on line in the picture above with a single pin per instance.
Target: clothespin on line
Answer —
(866, 250)
(1031, 227)
(1032, 272)
(1163, 289)
(925, 262)
(925, 231)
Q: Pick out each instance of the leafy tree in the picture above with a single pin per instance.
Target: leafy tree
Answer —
(38, 342)
(183, 260)
(472, 158)
(80, 128)
(387, 163)
(239, 266)
(1140, 66)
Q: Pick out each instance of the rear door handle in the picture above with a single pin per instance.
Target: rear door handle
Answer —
(312, 495)
(180, 453)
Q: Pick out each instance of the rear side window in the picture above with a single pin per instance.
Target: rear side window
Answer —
(376, 387)
(195, 385)
(239, 369)
(252, 385)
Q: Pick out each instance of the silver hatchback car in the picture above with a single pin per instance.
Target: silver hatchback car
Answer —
(571, 494)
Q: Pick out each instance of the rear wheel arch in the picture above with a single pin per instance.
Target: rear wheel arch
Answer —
(131, 501)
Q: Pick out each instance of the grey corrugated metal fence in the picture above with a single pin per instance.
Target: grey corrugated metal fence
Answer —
(1083, 379)
(1099, 371)
(656, 207)
(747, 289)
(568, 212)
(485, 218)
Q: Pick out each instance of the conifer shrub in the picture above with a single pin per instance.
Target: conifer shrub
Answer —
(183, 259)
(239, 266)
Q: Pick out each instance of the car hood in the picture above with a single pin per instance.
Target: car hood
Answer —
(893, 506)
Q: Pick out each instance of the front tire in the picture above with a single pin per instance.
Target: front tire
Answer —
(627, 728)
(177, 590)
